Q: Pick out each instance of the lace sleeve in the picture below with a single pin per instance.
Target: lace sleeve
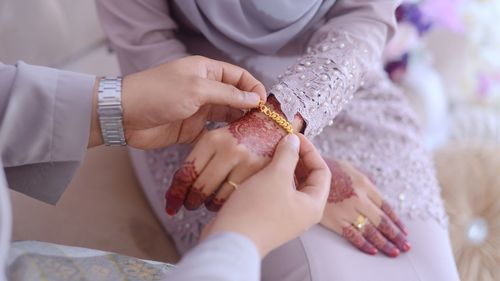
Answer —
(332, 69)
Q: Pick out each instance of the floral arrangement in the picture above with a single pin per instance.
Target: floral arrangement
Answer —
(413, 24)
(472, 25)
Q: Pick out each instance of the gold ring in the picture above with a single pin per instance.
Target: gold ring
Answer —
(234, 185)
(360, 222)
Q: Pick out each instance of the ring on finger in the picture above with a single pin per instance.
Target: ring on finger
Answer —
(233, 184)
(360, 222)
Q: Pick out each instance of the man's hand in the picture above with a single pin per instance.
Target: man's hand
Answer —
(171, 103)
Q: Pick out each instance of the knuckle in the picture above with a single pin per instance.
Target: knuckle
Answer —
(358, 201)
(241, 151)
(213, 137)
(196, 85)
(198, 58)
(235, 92)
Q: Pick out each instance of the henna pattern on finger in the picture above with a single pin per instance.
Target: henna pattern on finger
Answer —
(355, 237)
(371, 234)
(387, 209)
(215, 204)
(390, 231)
(182, 180)
(341, 187)
(195, 198)
(258, 134)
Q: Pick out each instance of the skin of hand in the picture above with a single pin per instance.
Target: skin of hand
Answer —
(171, 103)
(352, 193)
(267, 207)
(231, 153)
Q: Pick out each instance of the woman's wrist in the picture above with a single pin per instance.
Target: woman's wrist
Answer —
(298, 123)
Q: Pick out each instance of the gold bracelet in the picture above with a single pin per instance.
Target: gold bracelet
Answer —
(276, 117)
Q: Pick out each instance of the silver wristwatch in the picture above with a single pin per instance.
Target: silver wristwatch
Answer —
(109, 110)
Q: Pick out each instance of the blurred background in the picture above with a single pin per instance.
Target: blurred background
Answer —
(445, 55)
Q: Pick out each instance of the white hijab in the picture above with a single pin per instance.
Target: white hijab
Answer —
(244, 27)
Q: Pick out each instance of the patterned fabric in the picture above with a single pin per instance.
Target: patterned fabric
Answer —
(322, 81)
(33, 261)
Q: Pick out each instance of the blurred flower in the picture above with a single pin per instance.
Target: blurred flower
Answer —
(444, 12)
(411, 12)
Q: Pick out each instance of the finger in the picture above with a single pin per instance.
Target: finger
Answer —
(377, 199)
(378, 240)
(220, 197)
(236, 76)
(221, 113)
(300, 174)
(317, 183)
(377, 217)
(238, 175)
(356, 238)
(209, 180)
(387, 209)
(286, 156)
(185, 176)
(392, 233)
(224, 94)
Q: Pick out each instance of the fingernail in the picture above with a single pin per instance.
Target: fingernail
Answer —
(406, 247)
(170, 211)
(393, 253)
(252, 97)
(294, 141)
(405, 230)
(172, 204)
(373, 251)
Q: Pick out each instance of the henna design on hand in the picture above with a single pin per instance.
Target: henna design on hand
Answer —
(355, 237)
(258, 133)
(387, 209)
(389, 231)
(181, 182)
(341, 187)
(378, 240)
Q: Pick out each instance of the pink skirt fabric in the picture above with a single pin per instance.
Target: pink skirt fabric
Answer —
(321, 255)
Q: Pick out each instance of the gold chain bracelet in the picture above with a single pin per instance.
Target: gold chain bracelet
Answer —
(276, 117)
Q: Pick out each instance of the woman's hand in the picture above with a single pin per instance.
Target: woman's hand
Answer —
(229, 154)
(171, 103)
(267, 208)
(353, 194)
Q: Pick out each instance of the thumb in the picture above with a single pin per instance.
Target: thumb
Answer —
(286, 155)
(224, 94)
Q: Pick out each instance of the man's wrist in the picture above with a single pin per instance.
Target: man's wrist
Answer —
(95, 137)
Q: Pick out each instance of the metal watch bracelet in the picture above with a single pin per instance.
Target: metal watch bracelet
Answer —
(109, 110)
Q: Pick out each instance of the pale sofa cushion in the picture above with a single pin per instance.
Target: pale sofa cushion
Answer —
(48, 32)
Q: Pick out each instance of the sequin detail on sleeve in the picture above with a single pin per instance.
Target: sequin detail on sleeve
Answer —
(322, 81)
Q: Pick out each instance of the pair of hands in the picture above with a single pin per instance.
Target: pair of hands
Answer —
(171, 104)
(239, 150)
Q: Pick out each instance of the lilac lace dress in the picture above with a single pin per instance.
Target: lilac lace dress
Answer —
(334, 79)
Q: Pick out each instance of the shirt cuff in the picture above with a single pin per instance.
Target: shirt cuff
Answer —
(48, 116)
(223, 256)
